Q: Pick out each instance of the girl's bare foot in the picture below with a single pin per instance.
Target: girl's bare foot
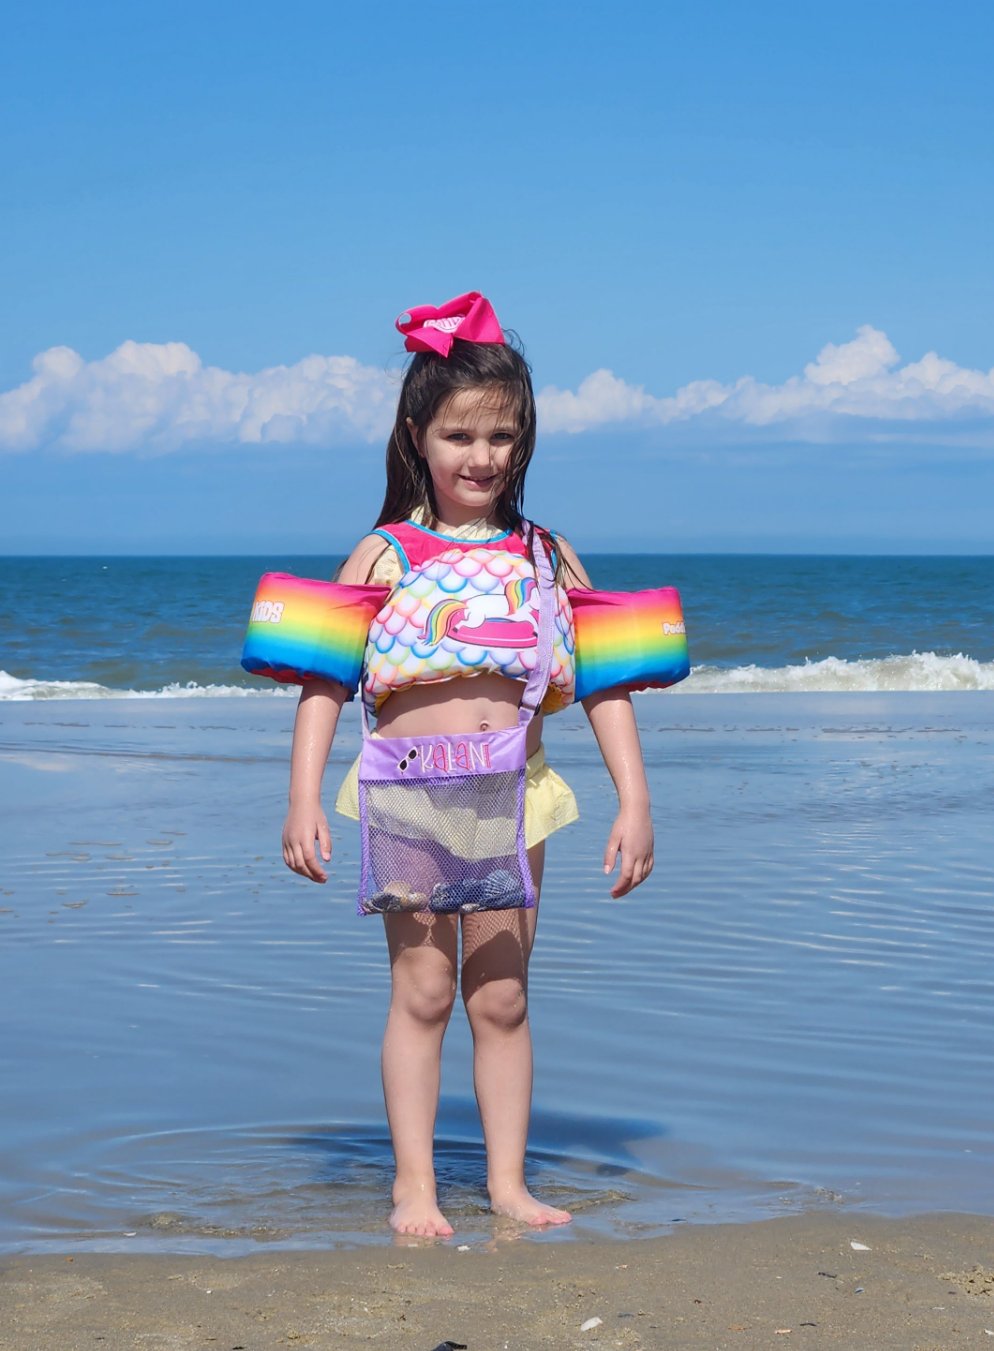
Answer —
(518, 1204)
(416, 1213)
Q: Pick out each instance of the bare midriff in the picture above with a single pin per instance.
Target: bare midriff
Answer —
(481, 703)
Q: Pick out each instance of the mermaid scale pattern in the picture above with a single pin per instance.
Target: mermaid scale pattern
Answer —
(462, 612)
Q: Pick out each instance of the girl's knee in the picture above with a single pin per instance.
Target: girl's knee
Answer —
(497, 1004)
(426, 997)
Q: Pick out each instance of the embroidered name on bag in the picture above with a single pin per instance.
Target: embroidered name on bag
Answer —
(457, 757)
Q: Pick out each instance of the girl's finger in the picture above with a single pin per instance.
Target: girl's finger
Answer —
(624, 883)
(300, 860)
(312, 868)
(611, 853)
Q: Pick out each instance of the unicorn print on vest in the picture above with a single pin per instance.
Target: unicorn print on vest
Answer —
(508, 619)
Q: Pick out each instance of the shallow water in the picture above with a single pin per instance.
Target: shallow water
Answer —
(795, 1011)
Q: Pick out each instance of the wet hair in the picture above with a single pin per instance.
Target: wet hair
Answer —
(494, 369)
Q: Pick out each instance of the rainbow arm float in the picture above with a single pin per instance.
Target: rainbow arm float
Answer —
(302, 630)
(632, 640)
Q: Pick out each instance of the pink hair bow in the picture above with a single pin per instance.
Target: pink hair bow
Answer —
(430, 328)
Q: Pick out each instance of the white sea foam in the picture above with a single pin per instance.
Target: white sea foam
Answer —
(910, 672)
(14, 689)
(916, 671)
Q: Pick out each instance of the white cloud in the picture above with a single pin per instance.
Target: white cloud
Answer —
(846, 393)
(160, 396)
(870, 353)
(600, 398)
(157, 397)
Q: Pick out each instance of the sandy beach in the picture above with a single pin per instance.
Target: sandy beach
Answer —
(925, 1284)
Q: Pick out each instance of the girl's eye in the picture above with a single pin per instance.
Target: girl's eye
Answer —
(498, 438)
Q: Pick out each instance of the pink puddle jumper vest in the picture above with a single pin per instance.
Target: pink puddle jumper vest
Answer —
(460, 608)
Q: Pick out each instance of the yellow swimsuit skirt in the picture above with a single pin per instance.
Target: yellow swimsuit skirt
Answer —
(549, 805)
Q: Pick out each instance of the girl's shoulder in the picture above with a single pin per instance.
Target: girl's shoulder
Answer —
(570, 572)
(364, 563)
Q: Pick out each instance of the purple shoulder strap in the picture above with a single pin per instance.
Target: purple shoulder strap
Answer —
(538, 678)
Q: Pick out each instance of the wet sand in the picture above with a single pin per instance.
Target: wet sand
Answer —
(918, 1285)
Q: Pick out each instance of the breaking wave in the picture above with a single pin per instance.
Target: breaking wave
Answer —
(916, 671)
(12, 688)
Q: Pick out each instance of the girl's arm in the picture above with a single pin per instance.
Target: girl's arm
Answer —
(613, 721)
(313, 733)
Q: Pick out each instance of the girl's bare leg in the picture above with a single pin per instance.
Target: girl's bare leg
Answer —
(496, 948)
(423, 960)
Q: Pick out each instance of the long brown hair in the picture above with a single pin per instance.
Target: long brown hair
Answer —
(430, 380)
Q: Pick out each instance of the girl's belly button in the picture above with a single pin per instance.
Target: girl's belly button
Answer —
(484, 727)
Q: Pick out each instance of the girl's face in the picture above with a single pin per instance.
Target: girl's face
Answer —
(466, 447)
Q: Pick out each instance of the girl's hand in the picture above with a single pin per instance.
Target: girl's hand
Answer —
(631, 837)
(302, 827)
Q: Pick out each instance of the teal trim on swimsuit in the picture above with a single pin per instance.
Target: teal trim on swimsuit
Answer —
(456, 539)
(395, 544)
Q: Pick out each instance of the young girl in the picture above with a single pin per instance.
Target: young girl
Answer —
(456, 464)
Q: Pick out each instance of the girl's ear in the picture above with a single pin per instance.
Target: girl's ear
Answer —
(413, 431)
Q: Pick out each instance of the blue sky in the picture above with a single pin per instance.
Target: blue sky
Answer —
(748, 249)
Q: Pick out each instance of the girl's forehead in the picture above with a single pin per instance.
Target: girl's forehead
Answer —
(487, 403)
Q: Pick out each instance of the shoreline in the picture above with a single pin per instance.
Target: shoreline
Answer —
(916, 1284)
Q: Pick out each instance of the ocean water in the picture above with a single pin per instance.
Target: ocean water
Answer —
(100, 628)
(793, 1012)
